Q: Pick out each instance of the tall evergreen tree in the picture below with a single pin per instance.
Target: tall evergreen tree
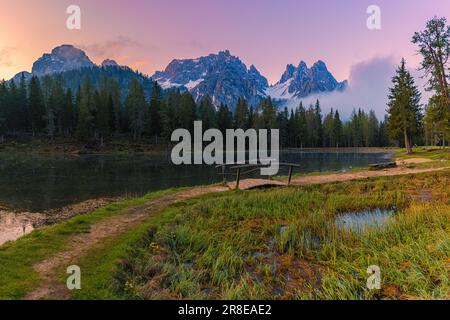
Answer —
(85, 119)
(36, 106)
(404, 109)
(155, 112)
(187, 113)
(224, 119)
(434, 46)
(171, 118)
(241, 114)
(207, 113)
(68, 113)
(328, 132)
(136, 108)
(337, 130)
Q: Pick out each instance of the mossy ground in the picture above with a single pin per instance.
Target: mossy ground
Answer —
(284, 244)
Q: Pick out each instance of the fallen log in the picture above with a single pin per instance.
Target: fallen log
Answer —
(381, 166)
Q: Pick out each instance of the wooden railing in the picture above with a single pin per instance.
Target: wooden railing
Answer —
(239, 170)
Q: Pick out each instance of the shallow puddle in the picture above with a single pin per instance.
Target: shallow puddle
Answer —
(363, 220)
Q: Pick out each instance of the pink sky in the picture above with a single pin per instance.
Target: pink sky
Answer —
(148, 34)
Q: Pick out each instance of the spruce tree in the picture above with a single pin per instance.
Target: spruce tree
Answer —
(404, 110)
(36, 106)
(136, 108)
(434, 46)
(187, 113)
(224, 119)
(155, 112)
(68, 112)
(85, 107)
(241, 114)
(207, 113)
(337, 130)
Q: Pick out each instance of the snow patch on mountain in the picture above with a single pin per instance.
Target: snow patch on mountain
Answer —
(222, 76)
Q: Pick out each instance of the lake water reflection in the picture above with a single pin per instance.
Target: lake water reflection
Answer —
(36, 183)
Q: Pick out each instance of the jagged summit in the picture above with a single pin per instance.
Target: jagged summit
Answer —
(61, 59)
(301, 81)
(222, 76)
(110, 63)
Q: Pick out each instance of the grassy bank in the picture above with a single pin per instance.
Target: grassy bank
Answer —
(17, 258)
(70, 146)
(284, 244)
(274, 244)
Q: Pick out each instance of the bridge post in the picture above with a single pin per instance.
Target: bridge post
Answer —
(238, 179)
(223, 175)
(291, 169)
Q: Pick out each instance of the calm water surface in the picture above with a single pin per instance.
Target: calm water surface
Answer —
(361, 221)
(36, 183)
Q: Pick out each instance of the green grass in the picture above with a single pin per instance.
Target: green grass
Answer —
(433, 153)
(284, 244)
(17, 258)
(101, 264)
(230, 245)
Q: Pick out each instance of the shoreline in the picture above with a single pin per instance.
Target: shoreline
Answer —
(123, 145)
(12, 222)
(16, 224)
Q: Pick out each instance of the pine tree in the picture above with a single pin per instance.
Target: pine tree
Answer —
(241, 114)
(372, 130)
(207, 113)
(224, 119)
(85, 107)
(22, 104)
(302, 125)
(36, 107)
(171, 120)
(266, 115)
(292, 130)
(283, 125)
(136, 108)
(437, 120)
(187, 113)
(404, 107)
(434, 46)
(155, 112)
(319, 126)
(328, 132)
(337, 130)
(68, 112)
(3, 117)
(102, 115)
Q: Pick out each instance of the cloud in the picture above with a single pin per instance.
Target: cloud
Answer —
(368, 89)
(5, 57)
(110, 48)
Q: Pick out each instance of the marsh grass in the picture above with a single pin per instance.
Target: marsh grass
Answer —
(17, 258)
(284, 244)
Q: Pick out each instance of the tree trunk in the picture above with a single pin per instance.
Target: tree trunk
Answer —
(407, 144)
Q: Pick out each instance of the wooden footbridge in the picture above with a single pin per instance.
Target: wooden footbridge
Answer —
(253, 183)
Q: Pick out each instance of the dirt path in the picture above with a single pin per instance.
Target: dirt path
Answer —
(340, 177)
(114, 226)
(110, 227)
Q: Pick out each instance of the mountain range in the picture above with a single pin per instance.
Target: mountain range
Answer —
(222, 76)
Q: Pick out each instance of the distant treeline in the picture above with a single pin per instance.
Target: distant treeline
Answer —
(42, 106)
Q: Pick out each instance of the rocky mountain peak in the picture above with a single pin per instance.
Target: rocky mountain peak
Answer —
(61, 59)
(301, 81)
(222, 76)
(109, 63)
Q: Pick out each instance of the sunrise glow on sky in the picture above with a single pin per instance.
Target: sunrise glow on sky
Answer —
(148, 34)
